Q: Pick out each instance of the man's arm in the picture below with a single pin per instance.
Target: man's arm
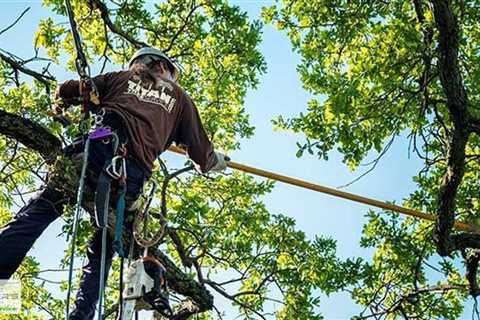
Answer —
(193, 136)
(69, 91)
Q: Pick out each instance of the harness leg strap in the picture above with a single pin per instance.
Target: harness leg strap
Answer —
(117, 242)
(102, 199)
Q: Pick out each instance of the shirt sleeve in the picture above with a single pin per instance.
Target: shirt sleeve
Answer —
(69, 91)
(193, 136)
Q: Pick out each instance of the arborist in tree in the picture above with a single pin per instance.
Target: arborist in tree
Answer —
(146, 109)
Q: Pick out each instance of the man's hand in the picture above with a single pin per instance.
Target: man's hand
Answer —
(57, 103)
(221, 164)
(57, 108)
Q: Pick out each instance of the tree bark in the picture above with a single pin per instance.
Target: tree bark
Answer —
(31, 135)
(452, 84)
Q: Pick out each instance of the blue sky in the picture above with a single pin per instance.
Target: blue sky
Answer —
(279, 93)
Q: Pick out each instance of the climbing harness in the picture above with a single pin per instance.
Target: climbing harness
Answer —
(116, 169)
(102, 204)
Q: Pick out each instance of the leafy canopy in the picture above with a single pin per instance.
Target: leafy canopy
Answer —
(374, 69)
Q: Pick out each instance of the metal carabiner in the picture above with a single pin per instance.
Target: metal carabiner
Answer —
(117, 168)
(98, 118)
(124, 167)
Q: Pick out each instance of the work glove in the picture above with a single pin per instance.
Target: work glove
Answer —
(221, 164)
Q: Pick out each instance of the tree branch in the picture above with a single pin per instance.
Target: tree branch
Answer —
(456, 95)
(184, 25)
(19, 66)
(106, 19)
(30, 134)
(15, 22)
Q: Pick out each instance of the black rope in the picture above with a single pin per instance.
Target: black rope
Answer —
(87, 86)
(80, 60)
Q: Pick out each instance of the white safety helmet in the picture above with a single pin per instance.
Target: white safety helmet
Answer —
(155, 55)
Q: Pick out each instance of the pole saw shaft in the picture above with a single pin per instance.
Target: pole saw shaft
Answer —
(337, 193)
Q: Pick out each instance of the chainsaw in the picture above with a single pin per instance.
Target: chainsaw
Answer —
(146, 289)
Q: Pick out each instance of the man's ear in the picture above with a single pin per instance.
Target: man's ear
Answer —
(166, 71)
(165, 68)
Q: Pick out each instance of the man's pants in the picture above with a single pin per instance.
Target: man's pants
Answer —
(18, 236)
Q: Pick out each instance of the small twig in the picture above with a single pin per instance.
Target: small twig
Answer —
(15, 22)
(372, 163)
(106, 19)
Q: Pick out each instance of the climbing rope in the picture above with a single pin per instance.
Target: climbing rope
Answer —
(80, 60)
(89, 95)
(78, 208)
(142, 216)
(337, 193)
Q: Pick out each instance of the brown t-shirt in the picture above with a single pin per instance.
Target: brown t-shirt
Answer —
(152, 118)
